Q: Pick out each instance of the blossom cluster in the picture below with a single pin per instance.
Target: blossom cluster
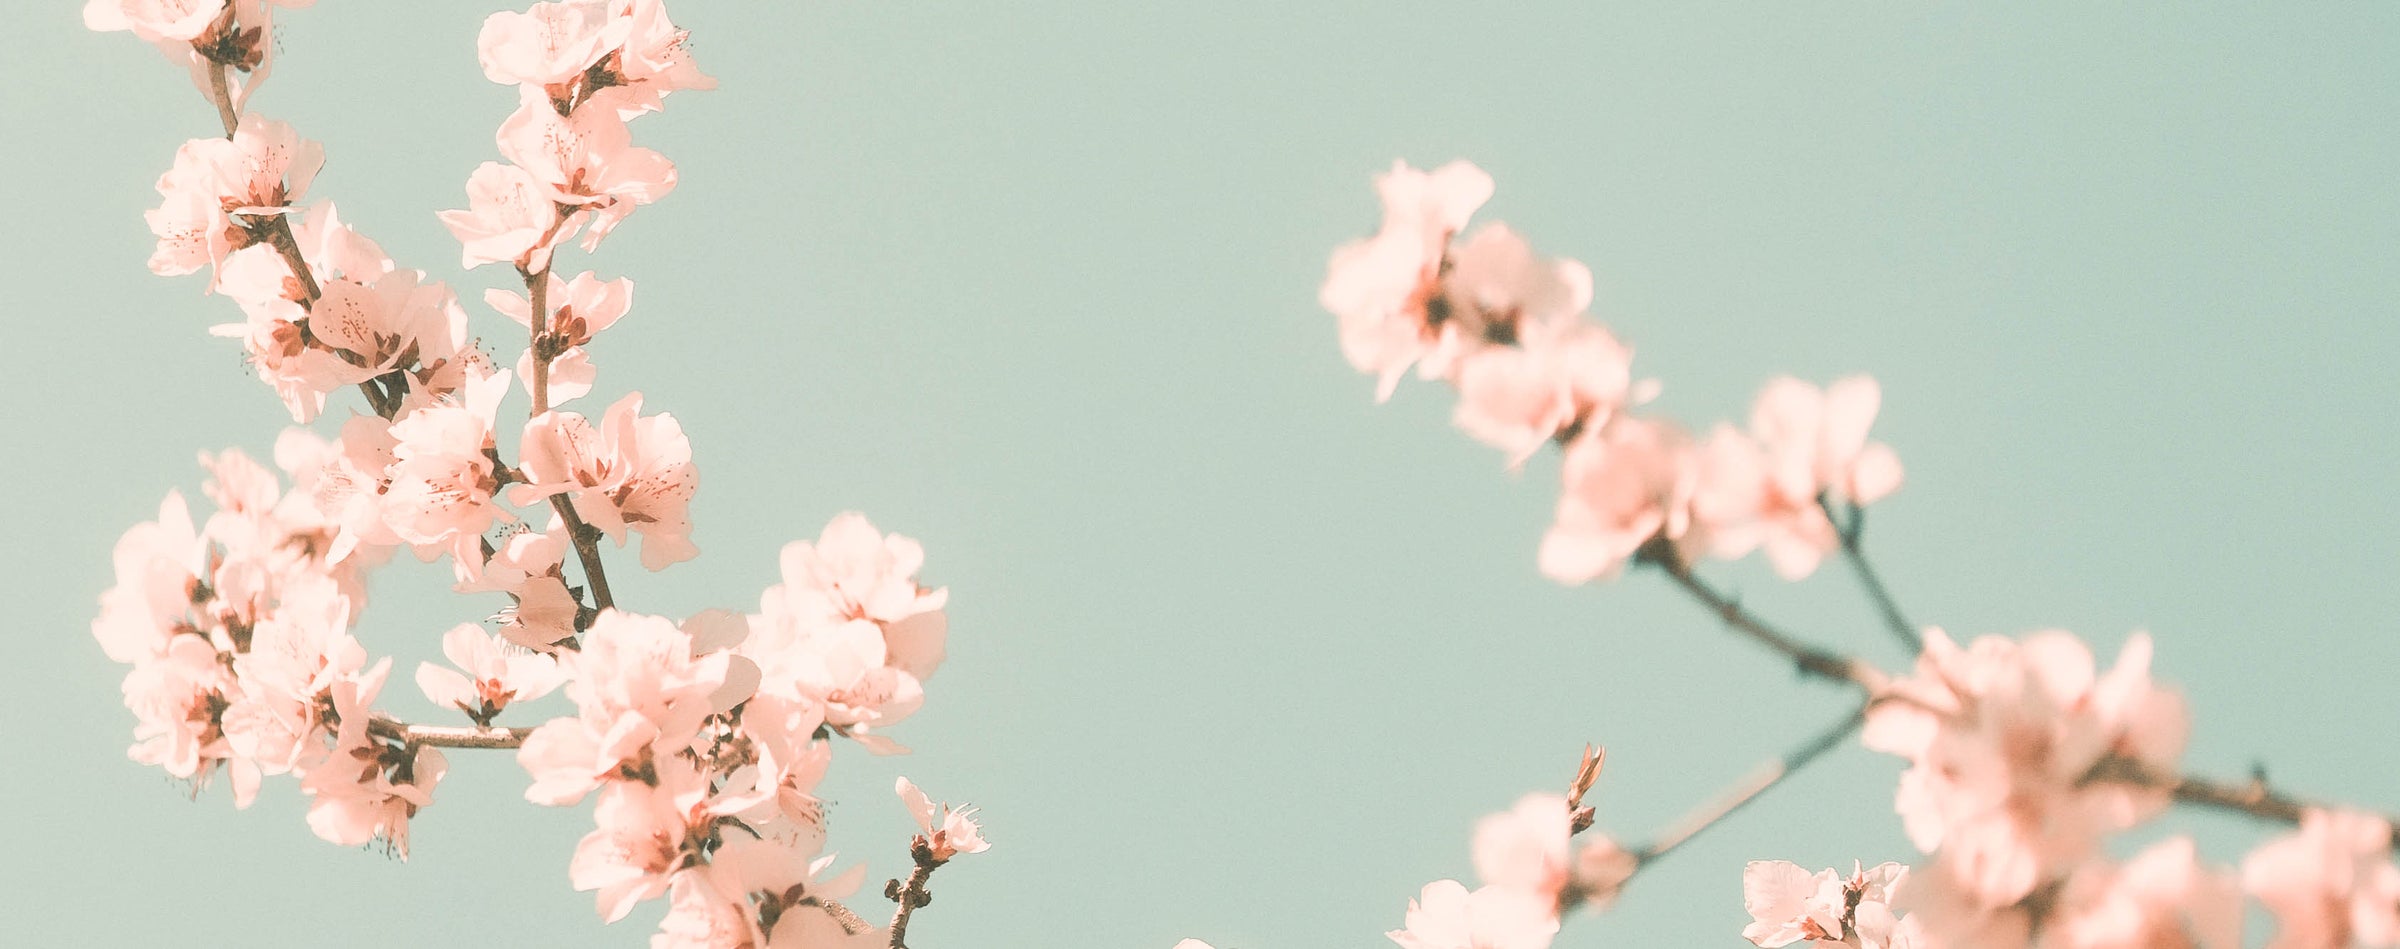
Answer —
(703, 740)
(1507, 328)
(2025, 760)
(1530, 872)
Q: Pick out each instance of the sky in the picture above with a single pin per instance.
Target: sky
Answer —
(1237, 653)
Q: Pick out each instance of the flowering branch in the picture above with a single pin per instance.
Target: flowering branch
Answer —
(1767, 775)
(277, 230)
(585, 537)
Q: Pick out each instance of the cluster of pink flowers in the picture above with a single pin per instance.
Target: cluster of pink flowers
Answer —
(238, 635)
(2025, 759)
(1507, 328)
(1530, 871)
(1790, 905)
(703, 740)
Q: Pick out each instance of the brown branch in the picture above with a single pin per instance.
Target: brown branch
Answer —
(1868, 579)
(2252, 797)
(277, 229)
(1767, 775)
(585, 536)
(1809, 659)
(913, 894)
(220, 92)
(448, 736)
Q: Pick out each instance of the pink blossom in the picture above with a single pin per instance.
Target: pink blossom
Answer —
(1525, 847)
(656, 60)
(1625, 484)
(153, 20)
(2001, 739)
(1381, 287)
(277, 720)
(637, 688)
(642, 838)
(367, 790)
(948, 831)
(586, 160)
(157, 568)
(510, 217)
(550, 42)
(175, 699)
(442, 478)
(1561, 378)
(220, 189)
(2331, 884)
(495, 674)
(1804, 443)
(842, 667)
(1602, 867)
(2162, 897)
(1447, 916)
(530, 566)
(579, 309)
(854, 571)
(1788, 904)
(634, 474)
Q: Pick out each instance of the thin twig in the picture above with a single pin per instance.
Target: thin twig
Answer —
(1766, 775)
(913, 894)
(1811, 660)
(448, 736)
(2252, 797)
(1853, 552)
(585, 536)
(278, 231)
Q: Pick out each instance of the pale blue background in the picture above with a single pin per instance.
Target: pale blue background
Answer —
(1238, 653)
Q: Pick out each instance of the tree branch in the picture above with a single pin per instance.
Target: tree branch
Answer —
(913, 894)
(1810, 660)
(447, 736)
(2253, 797)
(278, 231)
(1849, 532)
(1767, 775)
(585, 536)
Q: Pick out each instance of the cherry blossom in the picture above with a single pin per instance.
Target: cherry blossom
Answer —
(1763, 489)
(153, 20)
(1788, 904)
(1626, 484)
(656, 60)
(1562, 378)
(548, 42)
(1526, 846)
(2001, 738)
(854, 571)
(580, 308)
(2162, 897)
(584, 160)
(219, 191)
(494, 674)
(442, 476)
(1382, 287)
(510, 217)
(367, 789)
(948, 831)
(2331, 884)
(638, 691)
(634, 474)
(530, 566)
(1447, 916)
